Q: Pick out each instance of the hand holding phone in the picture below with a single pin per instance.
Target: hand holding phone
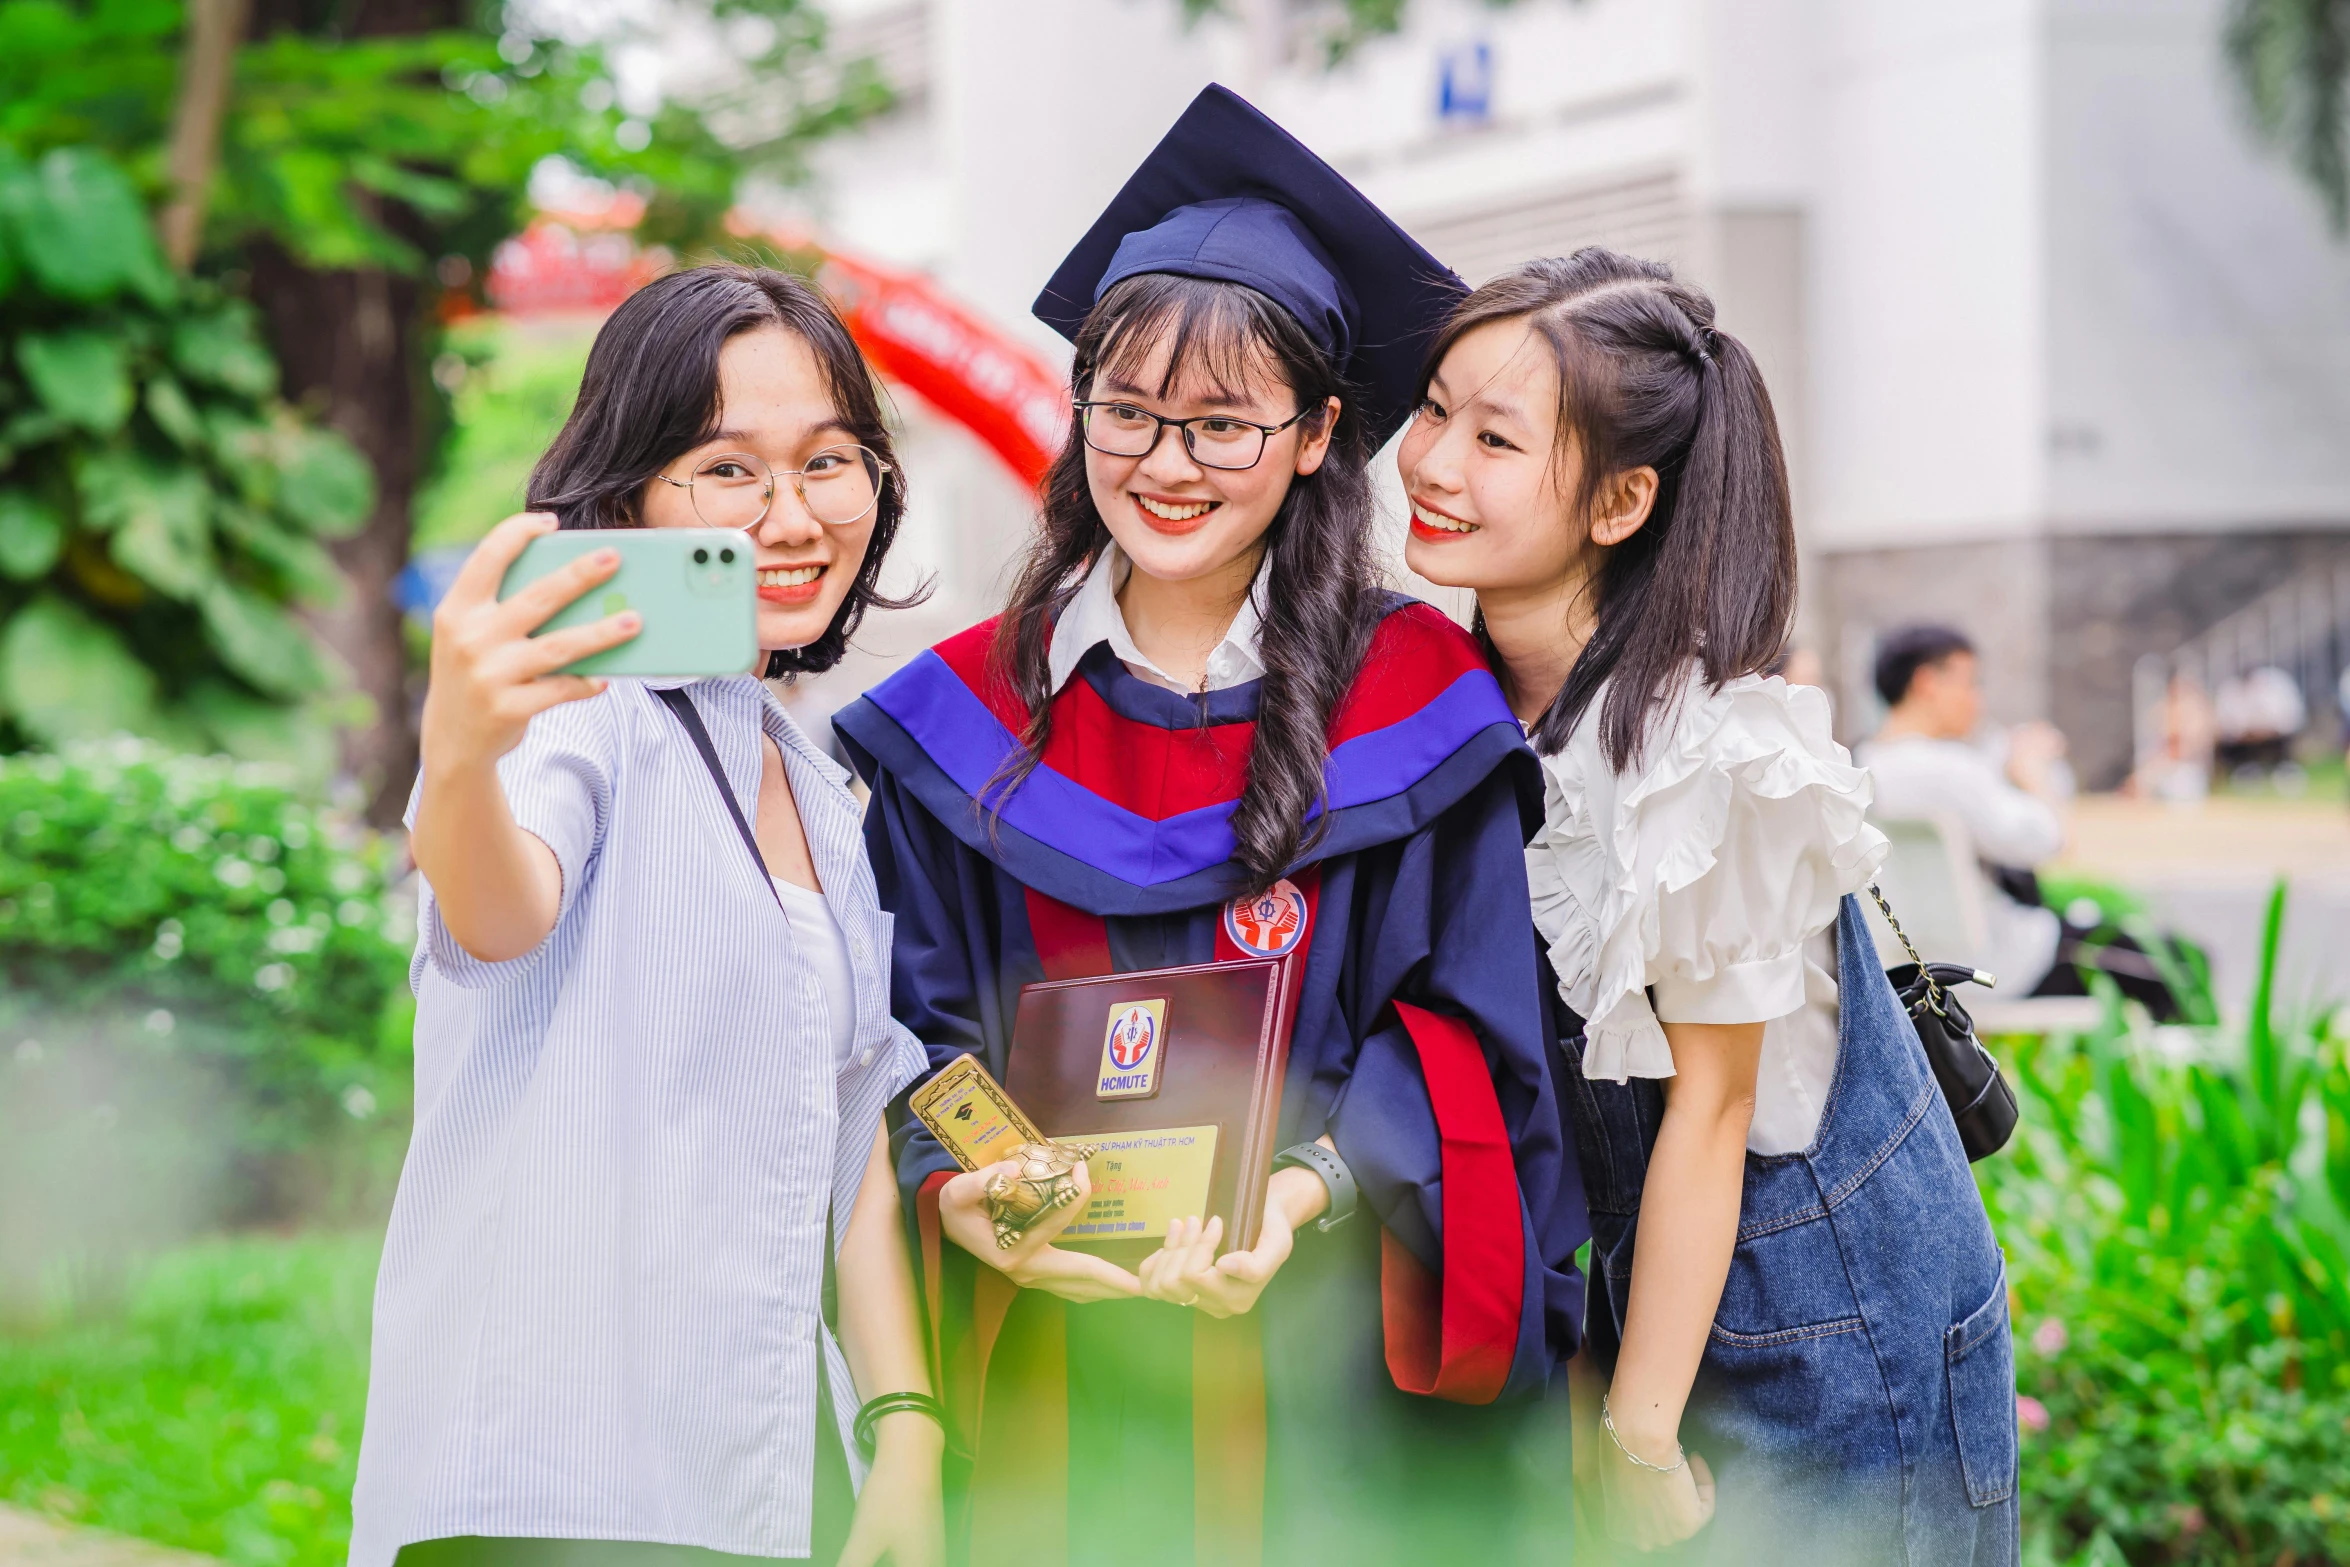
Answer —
(695, 590)
(490, 675)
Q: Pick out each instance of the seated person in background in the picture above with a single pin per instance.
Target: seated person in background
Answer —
(1925, 765)
(2260, 715)
(2179, 768)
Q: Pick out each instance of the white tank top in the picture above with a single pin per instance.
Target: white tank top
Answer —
(827, 955)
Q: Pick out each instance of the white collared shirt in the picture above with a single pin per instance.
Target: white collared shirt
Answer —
(1093, 617)
(599, 1314)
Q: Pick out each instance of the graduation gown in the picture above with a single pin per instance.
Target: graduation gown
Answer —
(1398, 1393)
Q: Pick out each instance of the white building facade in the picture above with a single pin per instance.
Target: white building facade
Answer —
(2061, 354)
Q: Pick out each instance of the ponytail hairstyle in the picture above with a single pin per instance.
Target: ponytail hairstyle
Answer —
(1323, 596)
(650, 392)
(1646, 380)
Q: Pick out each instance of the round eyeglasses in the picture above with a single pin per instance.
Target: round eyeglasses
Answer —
(839, 485)
(1213, 440)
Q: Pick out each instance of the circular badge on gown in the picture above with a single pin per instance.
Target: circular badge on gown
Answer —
(1268, 924)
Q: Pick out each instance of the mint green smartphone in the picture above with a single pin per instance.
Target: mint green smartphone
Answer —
(695, 588)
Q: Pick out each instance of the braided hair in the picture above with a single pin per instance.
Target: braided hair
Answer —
(1645, 379)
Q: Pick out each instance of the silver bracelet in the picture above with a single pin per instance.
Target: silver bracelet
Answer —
(1680, 1453)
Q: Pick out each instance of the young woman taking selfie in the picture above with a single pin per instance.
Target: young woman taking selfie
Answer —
(1201, 731)
(652, 1058)
(1796, 1275)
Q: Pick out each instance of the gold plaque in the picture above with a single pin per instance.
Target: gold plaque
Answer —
(1142, 1180)
(1134, 1045)
(971, 1116)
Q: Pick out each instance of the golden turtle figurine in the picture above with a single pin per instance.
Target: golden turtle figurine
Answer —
(1045, 1180)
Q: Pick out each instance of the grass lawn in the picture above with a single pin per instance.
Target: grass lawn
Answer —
(218, 1410)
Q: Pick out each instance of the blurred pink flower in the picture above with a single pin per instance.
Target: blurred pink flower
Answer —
(2030, 1413)
(2189, 1519)
(2050, 1338)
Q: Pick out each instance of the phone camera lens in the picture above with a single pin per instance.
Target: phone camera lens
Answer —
(701, 557)
(726, 557)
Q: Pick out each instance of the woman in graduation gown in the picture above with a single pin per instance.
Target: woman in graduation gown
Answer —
(1203, 731)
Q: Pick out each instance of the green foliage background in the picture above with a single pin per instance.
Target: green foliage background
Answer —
(130, 877)
(160, 508)
(393, 152)
(2292, 63)
(2176, 1211)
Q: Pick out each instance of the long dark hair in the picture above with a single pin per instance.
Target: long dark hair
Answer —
(1646, 379)
(1322, 596)
(650, 392)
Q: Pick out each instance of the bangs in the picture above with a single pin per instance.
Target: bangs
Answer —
(1219, 337)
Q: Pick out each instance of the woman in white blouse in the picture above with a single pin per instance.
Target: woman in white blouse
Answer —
(653, 1040)
(1794, 1268)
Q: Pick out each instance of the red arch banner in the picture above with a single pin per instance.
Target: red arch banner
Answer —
(991, 384)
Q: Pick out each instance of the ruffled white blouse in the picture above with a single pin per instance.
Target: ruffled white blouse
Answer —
(1707, 877)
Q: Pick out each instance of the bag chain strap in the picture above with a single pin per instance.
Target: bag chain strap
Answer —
(1933, 990)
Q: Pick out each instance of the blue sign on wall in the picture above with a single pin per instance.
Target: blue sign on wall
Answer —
(1464, 89)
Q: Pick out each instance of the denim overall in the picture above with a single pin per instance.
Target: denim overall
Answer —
(1857, 1398)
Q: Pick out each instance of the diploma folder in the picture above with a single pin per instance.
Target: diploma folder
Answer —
(1176, 1073)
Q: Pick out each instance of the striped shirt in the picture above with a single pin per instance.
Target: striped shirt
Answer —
(598, 1315)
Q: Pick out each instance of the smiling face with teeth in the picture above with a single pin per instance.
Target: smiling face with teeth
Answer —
(774, 404)
(1495, 494)
(1177, 520)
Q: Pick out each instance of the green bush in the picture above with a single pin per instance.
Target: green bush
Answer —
(2176, 1211)
(160, 508)
(130, 877)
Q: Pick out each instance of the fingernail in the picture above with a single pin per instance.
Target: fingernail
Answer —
(607, 557)
(631, 620)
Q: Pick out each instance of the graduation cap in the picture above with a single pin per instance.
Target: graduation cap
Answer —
(1229, 195)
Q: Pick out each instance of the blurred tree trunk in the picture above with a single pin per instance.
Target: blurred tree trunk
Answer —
(349, 338)
(208, 64)
(352, 338)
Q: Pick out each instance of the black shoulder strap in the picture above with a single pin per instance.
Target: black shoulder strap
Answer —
(683, 706)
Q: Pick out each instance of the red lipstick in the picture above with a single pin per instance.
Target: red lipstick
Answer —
(1421, 530)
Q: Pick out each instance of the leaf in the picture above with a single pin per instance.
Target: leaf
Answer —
(243, 445)
(221, 349)
(96, 574)
(324, 484)
(81, 230)
(321, 224)
(13, 178)
(260, 642)
(83, 377)
(31, 535)
(113, 486)
(174, 415)
(160, 535)
(302, 564)
(66, 676)
(29, 428)
(253, 730)
(429, 194)
(2265, 1057)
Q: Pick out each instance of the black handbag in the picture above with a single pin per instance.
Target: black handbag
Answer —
(1980, 1100)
